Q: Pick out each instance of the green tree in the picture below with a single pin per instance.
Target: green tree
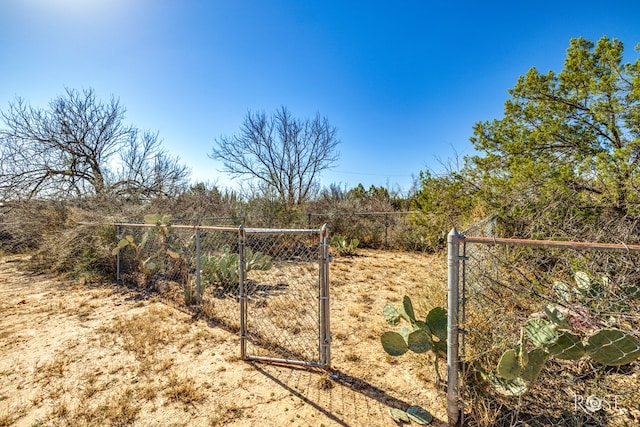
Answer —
(376, 198)
(568, 146)
(445, 201)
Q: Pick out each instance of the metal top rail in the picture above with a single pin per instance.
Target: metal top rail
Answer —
(361, 213)
(550, 243)
(283, 230)
(177, 226)
(221, 228)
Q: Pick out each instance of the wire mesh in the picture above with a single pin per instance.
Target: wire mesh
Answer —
(588, 304)
(283, 301)
(261, 283)
(182, 265)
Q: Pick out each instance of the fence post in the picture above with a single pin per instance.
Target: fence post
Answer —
(198, 267)
(242, 292)
(325, 327)
(118, 237)
(386, 230)
(453, 242)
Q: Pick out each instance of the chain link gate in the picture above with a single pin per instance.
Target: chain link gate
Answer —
(270, 285)
(285, 310)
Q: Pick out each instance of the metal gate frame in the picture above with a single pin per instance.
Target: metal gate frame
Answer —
(324, 332)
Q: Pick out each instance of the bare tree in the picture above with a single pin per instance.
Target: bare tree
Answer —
(147, 169)
(80, 146)
(284, 153)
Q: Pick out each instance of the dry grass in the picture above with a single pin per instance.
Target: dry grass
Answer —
(83, 356)
(183, 390)
(144, 333)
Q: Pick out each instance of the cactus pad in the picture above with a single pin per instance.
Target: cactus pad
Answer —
(437, 321)
(515, 387)
(556, 317)
(508, 366)
(419, 341)
(406, 310)
(399, 415)
(613, 347)
(419, 415)
(393, 343)
(535, 361)
(541, 332)
(391, 315)
(567, 346)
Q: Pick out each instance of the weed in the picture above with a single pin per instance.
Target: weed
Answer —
(120, 410)
(45, 373)
(324, 382)
(8, 418)
(90, 387)
(183, 390)
(148, 393)
(354, 311)
(143, 334)
(60, 411)
(225, 413)
(345, 247)
(352, 357)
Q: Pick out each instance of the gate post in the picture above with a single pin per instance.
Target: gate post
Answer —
(118, 237)
(325, 330)
(242, 292)
(453, 242)
(198, 267)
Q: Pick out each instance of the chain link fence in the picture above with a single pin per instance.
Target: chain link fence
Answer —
(549, 333)
(270, 286)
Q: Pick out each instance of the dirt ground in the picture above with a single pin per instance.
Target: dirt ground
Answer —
(99, 354)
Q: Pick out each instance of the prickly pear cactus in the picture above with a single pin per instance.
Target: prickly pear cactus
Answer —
(541, 332)
(257, 261)
(414, 413)
(422, 336)
(391, 315)
(406, 310)
(518, 369)
(437, 322)
(514, 387)
(157, 219)
(509, 367)
(613, 347)
(419, 341)
(419, 415)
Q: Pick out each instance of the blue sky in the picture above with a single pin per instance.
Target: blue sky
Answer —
(403, 82)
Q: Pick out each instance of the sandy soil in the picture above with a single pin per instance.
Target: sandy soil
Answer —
(95, 355)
